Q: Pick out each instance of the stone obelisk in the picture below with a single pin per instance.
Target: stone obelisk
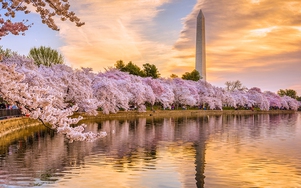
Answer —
(200, 57)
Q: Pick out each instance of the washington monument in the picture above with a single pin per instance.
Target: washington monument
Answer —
(200, 57)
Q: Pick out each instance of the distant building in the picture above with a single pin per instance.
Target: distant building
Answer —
(200, 57)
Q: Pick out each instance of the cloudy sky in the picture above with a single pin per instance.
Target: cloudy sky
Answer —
(255, 41)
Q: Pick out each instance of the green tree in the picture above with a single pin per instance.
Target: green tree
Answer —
(5, 53)
(151, 71)
(194, 75)
(133, 69)
(120, 65)
(173, 76)
(288, 92)
(45, 56)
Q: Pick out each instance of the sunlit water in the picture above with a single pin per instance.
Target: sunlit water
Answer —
(212, 151)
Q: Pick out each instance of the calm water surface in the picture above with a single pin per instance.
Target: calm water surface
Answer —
(212, 151)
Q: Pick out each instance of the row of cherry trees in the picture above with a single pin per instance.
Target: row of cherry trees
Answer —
(52, 94)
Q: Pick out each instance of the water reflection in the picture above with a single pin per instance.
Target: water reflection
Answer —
(211, 151)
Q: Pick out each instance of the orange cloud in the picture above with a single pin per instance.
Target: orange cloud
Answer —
(113, 31)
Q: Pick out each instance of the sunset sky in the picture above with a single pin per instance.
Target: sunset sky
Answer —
(255, 41)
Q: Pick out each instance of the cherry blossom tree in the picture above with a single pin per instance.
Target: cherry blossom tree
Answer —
(289, 103)
(209, 95)
(38, 102)
(167, 98)
(133, 87)
(228, 99)
(240, 99)
(257, 98)
(15, 28)
(162, 91)
(46, 9)
(185, 92)
(141, 94)
(274, 99)
(77, 88)
(109, 96)
(72, 86)
(33, 77)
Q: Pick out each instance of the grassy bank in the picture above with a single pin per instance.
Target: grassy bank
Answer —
(177, 113)
(14, 125)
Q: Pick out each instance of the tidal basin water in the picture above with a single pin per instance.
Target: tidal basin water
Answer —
(212, 151)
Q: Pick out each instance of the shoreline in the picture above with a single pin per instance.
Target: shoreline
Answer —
(177, 113)
(12, 125)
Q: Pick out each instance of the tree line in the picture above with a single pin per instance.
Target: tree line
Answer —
(237, 86)
(47, 56)
(41, 55)
(150, 70)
